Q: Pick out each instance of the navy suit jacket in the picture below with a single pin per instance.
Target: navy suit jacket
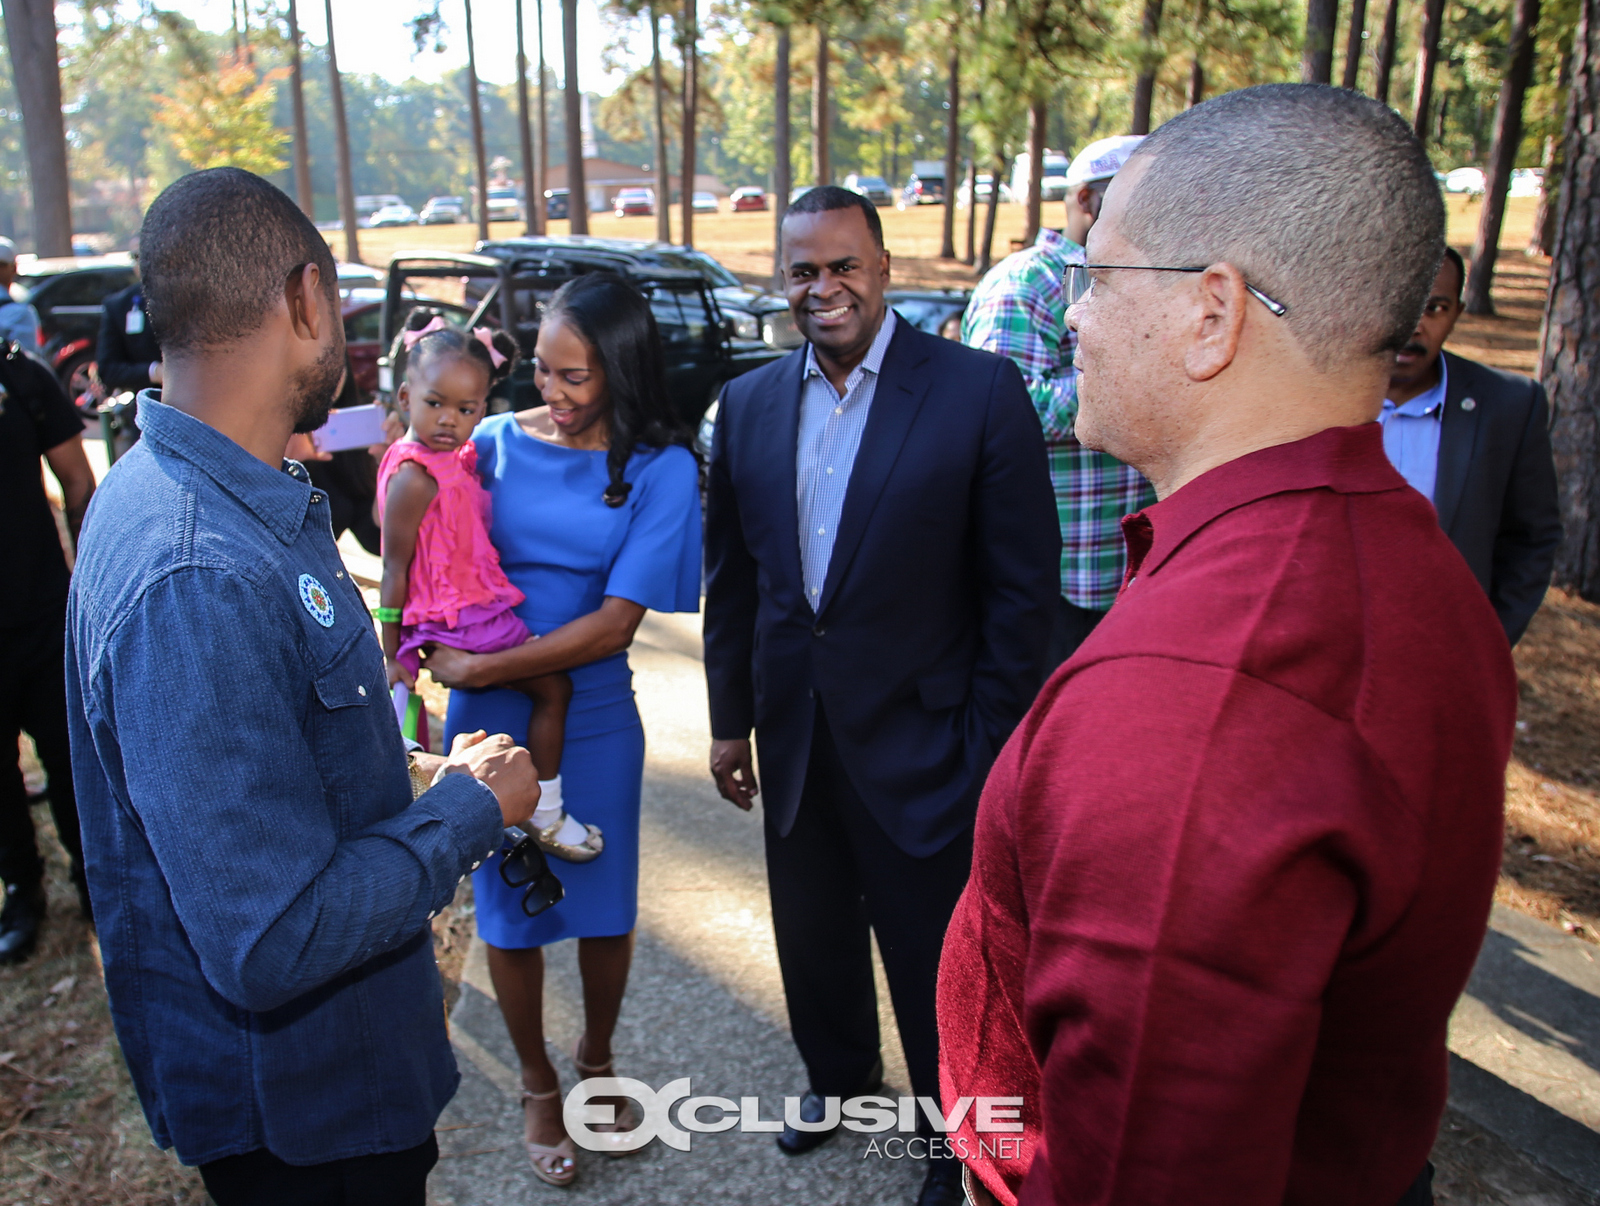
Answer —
(928, 642)
(1496, 486)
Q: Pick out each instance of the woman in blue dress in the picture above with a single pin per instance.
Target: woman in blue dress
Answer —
(596, 520)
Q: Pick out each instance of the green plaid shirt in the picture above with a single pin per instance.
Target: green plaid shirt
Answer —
(1019, 310)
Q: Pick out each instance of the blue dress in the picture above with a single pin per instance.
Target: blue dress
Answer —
(566, 551)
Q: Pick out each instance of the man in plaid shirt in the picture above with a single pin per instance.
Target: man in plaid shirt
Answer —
(1019, 310)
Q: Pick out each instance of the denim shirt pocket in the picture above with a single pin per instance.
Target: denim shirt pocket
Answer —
(352, 731)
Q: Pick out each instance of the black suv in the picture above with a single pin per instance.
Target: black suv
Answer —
(68, 295)
(757, 315)
(508, 284)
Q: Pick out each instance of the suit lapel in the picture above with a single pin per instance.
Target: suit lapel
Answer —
(784, 427)
(1458, 434)
(895, 404)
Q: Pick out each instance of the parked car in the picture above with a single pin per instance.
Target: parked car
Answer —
(927, 309)
(705, 203)
(394, 215)
(1467, 180)
(748, 198)
(504, 205)
(1055, 177)
(922, 190)
(755, 313)
(634, 203)
(556, 203)
(68, 293)
(355, 279)
(508, 283)
(982, 185)
(440, 211)
(873, 188)
(370, 204)
(1527, 182)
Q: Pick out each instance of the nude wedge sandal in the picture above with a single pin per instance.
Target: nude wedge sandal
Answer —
(557, 1165)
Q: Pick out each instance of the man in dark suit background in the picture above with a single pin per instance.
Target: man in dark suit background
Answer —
(1476, 442)
(127, 355)
(882, 557)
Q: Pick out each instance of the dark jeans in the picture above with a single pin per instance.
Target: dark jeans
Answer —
(259, 1178)
(33, 696)
(1072, 627)
(836, 876)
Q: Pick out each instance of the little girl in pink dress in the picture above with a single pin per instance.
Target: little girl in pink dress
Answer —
(442, 581)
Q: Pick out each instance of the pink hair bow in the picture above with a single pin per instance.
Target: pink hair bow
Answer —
(409, 338)
(486, 337)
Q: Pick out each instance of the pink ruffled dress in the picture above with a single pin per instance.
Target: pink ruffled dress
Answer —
(457, 594)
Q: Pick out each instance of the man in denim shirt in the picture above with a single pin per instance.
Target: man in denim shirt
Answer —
(261, 876)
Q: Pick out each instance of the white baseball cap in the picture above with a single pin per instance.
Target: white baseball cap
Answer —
(1101, 159)
(8, 252)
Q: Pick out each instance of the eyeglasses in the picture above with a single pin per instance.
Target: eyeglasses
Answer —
(524, 866)
(1080, 283)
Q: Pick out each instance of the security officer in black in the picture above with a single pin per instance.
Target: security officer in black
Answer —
(36, 419)
(128, 355)
(128, 359)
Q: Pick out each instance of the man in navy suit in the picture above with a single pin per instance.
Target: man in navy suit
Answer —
(882, 555)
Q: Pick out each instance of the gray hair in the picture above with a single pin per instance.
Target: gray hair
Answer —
(1321, 197)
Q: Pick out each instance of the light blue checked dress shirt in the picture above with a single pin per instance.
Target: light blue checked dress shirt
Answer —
(1411, 435)
(830, 435)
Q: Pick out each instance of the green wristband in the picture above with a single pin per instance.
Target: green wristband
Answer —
(387, 615)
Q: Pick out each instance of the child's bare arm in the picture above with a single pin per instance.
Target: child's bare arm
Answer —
(410, 491)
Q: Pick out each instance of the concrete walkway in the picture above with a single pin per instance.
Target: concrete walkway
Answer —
(705, 1002)
(1525, 1045)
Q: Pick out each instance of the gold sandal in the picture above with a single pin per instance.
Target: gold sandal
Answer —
(562, 1167)
(585, 851)
(610, 1134)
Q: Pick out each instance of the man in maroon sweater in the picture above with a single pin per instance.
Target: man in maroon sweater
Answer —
(1232, 871)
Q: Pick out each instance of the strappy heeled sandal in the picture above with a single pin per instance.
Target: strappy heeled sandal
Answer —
(557, 1165)
(629, 1119)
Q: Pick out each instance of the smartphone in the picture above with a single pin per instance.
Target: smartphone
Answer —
(352, 427)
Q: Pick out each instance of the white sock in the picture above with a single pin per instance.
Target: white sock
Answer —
(550, 806)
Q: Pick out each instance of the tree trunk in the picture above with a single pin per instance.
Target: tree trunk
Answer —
(577, 194)
(663, 179)
(1427, 60)
(1502, 156)
(952, 156)
(821, 168)
(1197, 71)
(525, 131)
(1144, 84)
(1569, 363)
(1386, 46)
(1355, 44)
(780, 152)
(36, 75)
(1543, 235)
(542, 162)
(972, 212)
(988, 221)
(341, 136)
(691, 101)
(297, 94)
(1316, 57)
(1038, 117)
(475, 109)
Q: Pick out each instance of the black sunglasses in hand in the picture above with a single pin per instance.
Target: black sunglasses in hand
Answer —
(525, 866)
